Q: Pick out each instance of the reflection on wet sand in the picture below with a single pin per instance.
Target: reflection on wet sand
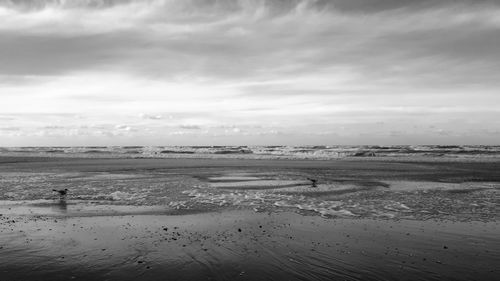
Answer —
(235, 245)
(61, 206)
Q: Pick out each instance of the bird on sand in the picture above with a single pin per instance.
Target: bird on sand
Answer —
(62, 192)
(313, 182)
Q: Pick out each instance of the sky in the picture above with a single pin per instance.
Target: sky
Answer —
(244, 72)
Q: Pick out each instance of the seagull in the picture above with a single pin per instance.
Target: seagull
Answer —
(62, 192)
(313, 182)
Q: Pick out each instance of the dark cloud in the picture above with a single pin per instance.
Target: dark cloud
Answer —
(276, 6)
(207, 6)
(441, 57)
(459, 43)
(269, 46)
(374, 6)
(50, 54)
(30, 5)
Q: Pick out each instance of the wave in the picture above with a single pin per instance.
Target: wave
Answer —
(176, 152)
(322, 152)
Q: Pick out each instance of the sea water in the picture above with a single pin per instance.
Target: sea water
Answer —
(260, 152)
(198, 190)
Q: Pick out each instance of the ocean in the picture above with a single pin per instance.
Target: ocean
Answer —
(326, 152)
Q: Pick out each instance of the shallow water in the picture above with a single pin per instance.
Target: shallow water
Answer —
(262, 192)
(191, 190)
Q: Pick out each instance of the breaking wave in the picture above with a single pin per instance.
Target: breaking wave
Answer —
(261, 152)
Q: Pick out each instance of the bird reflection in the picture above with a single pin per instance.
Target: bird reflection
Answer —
(62, 206)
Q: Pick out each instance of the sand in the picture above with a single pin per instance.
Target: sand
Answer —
(105, 231)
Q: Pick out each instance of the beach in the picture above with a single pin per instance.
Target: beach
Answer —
(273, 140)
(249, 219)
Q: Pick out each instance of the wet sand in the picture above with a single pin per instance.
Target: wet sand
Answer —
(95, 239)
(245, 245)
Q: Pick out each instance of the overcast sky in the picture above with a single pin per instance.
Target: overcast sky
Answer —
(180, 72)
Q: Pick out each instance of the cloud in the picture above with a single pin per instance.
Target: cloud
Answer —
(10, 128)
(210, 38)
(190, 127)
(123, 127)
(286, 65)
(151, 117)
(54, 127)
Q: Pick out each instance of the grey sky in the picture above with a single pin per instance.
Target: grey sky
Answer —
(249, 72)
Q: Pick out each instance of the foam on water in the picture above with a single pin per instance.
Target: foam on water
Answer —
(269, 194)
(257, 184)
(122, 196)
(262, 152)
(387, 200)
(234, 178)
(257, 190)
